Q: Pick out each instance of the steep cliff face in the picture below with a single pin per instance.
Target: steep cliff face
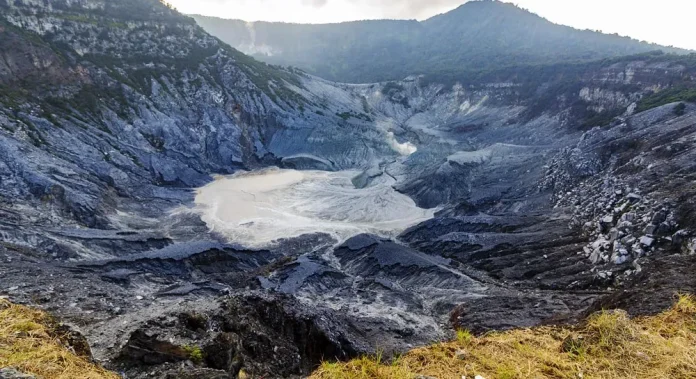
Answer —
(108, 100)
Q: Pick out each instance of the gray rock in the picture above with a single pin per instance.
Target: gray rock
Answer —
(650, 230)
(614, 235)
(637, 249)
(628, 240)
(647, 241)
(634, 197)
(625, 226)
(691, 247)
(664, 229)
(11, 373)
(620, 254)
(636, 266)
(630, 217)
(659, 217)
(620, 259)
(596, 257)
(680, 237)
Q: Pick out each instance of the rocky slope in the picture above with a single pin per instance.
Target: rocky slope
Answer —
(102, 111)
(555, 195)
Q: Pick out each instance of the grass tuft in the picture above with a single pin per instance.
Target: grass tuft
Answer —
(608, 345)
(363, 368)
(29, 344)
(685, 304)
(464, 336)
(195, 353)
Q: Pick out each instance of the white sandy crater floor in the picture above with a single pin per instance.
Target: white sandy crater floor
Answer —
(254, 209)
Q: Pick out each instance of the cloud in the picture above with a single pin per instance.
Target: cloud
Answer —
(411, 8)
(316, 11)
(394, 8)
(315, 3)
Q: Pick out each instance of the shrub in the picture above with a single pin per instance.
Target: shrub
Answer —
(195, 353)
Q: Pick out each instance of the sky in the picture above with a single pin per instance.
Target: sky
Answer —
(667, 22)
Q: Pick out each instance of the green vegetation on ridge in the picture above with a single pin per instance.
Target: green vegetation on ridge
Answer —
(667, 96)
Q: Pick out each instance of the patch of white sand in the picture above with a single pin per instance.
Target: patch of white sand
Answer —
(257, 208)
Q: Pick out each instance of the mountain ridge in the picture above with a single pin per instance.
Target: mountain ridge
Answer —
(477, 34)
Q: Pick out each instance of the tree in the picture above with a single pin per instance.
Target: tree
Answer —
(168, 5)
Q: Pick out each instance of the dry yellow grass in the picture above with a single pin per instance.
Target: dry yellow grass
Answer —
(28, 344)
(608, 345)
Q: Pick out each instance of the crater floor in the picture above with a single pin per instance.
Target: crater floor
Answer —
(257, 208)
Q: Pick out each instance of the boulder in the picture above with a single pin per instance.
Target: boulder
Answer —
(659, 217)
(664, 229)
(679, 237)
(637, 249)
(601, 244)
(625, 226)
(647, 241)
(276, 337)
(630, 217)
(650, 230)
(620, 254)
(145, 348)
(599, 248)
(606, 223)
(628, 240)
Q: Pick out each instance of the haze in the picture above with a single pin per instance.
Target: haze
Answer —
(667, 22)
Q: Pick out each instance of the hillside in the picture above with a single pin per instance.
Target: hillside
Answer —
(478, 34)
(607, 345)
(33, 342)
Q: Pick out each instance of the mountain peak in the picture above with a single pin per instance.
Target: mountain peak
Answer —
(484, 8)
(484, 3)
